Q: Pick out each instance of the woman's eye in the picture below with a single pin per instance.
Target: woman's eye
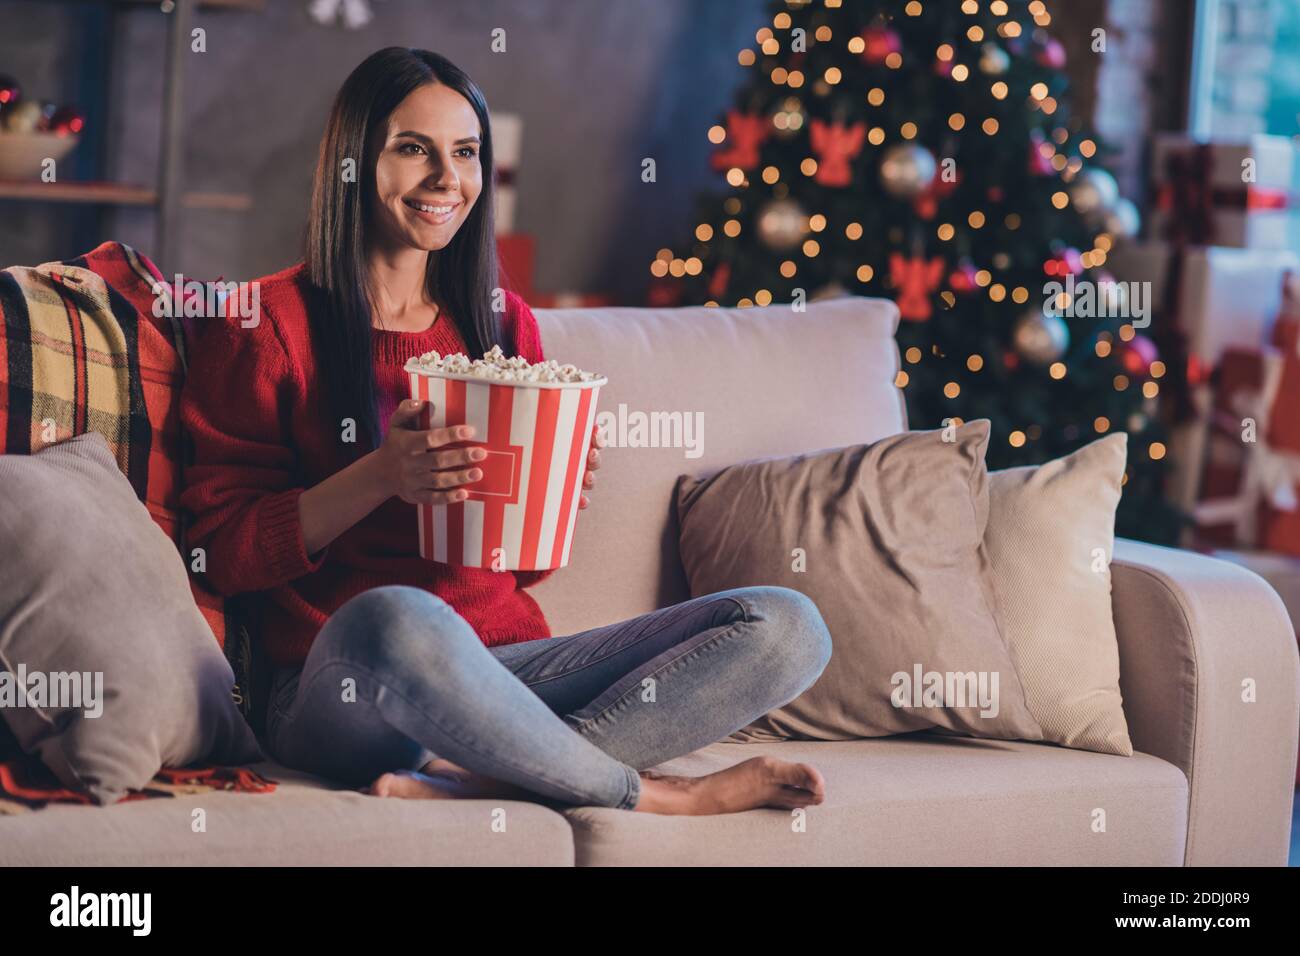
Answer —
(468, 151)
(410, 149)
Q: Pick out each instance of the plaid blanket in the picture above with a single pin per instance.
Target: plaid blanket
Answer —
(81, 349)
(25, 785)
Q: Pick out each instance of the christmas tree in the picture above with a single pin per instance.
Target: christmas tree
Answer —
(924, 151)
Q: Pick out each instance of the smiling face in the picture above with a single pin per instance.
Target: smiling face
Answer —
(427, 171)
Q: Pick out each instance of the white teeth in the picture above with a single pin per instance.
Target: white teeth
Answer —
(436, 210)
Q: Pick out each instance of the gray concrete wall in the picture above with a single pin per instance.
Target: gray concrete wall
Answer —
(600, 85)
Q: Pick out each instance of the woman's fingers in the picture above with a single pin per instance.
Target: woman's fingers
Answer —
(435, 459)
(436, 437)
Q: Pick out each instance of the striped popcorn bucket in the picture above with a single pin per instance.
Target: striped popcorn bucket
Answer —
(519, 516)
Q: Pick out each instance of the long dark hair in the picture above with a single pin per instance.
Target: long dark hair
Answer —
(460, 278)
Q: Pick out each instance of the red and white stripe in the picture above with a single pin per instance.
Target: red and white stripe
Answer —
(537, 439)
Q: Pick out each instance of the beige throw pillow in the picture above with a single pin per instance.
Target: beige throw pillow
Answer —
(887, 539)
(1050, 537)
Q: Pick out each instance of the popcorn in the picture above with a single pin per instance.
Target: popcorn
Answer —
(495, 366)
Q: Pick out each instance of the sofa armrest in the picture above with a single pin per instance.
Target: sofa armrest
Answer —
(1191, 630)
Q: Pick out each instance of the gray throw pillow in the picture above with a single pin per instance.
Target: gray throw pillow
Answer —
(108, 670)
(887, 539)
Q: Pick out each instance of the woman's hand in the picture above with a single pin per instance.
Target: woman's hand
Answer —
(593, 462)
(416, 466)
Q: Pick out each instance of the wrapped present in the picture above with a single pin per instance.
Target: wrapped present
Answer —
(1281, 531)
(507, 132)
(1204, 300)
(1224, 297)
(1238, 192)
(1246, 476)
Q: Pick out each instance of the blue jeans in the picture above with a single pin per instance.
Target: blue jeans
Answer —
(397, 677)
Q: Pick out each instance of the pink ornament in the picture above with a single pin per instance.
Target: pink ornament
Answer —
(1039, 165)
(1051, 55)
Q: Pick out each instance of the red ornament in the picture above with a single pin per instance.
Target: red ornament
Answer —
(718, 281)
(963, 279)
(10, 91)
(915, 279)
(67, 121)
(1137, 354)
(1051, 55)
(880, 42)
(943, 68)
(745, 133)
(835, 144)
(1066, 262)
(927, 203)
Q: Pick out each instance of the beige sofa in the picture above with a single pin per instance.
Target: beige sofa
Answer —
(1211, 782)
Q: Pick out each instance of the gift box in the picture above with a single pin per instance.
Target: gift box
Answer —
(1226, 296)
(1281, 520)
(1246, 477)
(520, 515)
(1229, 192)
(507, 134)
(1223, 298)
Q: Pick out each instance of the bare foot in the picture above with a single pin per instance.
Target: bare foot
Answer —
(470, 784)
(409, 785)
(757, 782)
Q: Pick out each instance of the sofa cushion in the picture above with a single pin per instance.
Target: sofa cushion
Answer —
(305, 822)
(917, 800)
(888, 541)
(81, 350)
(100, 593)
(762, 381)
(1050, 536)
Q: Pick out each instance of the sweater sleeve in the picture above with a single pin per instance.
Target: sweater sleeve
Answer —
(522, 324)
(239, 491)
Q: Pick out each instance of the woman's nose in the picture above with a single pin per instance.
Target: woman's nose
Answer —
(443, 176)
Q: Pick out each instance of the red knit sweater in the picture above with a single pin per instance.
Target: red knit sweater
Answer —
(255, 410)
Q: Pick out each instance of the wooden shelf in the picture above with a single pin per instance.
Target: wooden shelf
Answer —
(256, 6)
(117, 194)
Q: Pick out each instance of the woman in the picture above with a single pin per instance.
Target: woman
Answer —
(421, 679)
